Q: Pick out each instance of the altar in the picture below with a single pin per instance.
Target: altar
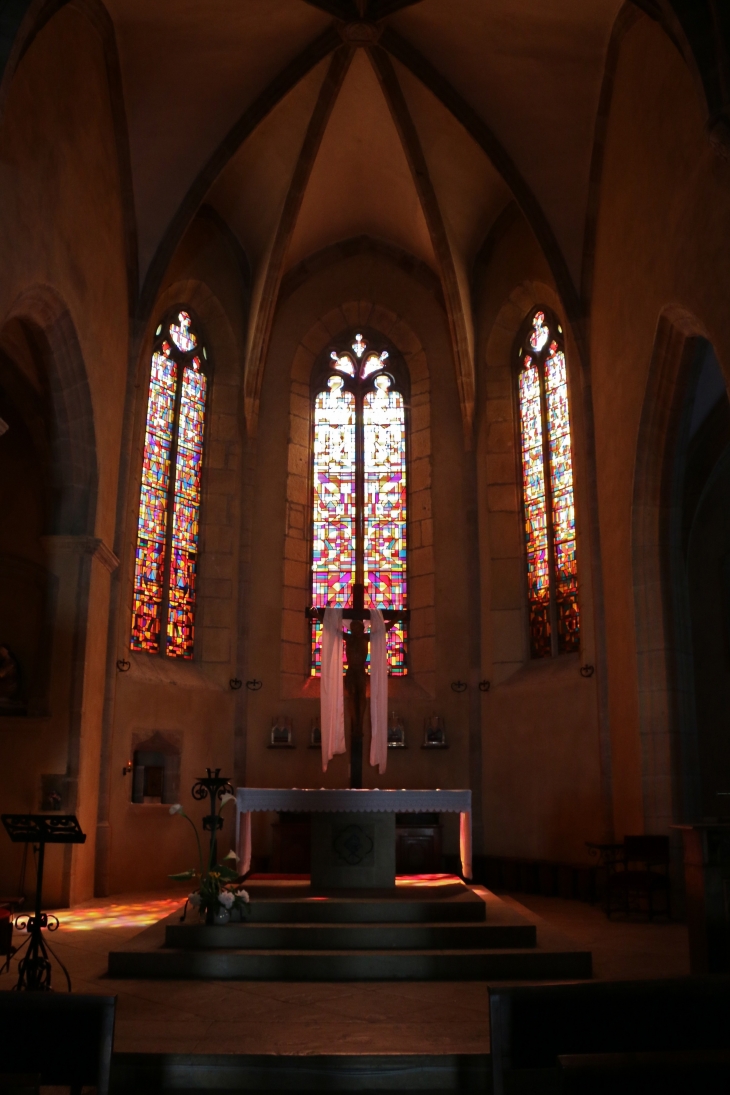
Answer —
(353, 830)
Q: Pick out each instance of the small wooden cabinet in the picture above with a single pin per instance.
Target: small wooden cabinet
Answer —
(418, 844)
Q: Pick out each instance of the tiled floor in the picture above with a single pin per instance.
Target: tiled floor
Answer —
(267, 1017)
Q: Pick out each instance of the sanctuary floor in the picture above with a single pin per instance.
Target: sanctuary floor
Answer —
(365, 1017)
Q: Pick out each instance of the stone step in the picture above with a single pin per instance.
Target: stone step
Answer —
(182, 1074)
(327, 910)
(356, 937)
(506, 964)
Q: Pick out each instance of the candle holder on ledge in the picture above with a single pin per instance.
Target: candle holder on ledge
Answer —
(282, 734)
(434, 733)
(315, 734)
(396, 732)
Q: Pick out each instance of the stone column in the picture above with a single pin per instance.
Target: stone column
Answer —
(82, 565)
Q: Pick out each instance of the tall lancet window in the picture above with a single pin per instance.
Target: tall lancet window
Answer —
(359, 487)
(547, 479)
(163, 614)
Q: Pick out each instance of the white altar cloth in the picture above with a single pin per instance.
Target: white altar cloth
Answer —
(345, 800)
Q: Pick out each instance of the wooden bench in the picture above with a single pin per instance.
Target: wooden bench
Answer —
(673, 1072)
(65, 1038)
(532, 1026)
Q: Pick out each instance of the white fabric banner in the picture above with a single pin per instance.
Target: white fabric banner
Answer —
(378, 691)
(332, 704)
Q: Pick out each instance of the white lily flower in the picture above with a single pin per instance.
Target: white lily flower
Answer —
(227, 798)
(177, 809)
(243, 895)
(226, 899)
(231, 855)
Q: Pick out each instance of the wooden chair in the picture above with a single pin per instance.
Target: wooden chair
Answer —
(532, 1026)
(65, 1038)
(672, 1072)
(639, 873)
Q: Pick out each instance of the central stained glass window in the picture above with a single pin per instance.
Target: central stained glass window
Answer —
(163, 613)
(359, 489)
(547, 484)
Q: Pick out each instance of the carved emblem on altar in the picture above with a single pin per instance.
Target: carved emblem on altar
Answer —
(352, 845)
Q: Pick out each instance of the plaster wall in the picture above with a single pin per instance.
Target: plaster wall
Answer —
(542, 793)
(366, 288)
(64, 272)
(190, 704)
(663, 221)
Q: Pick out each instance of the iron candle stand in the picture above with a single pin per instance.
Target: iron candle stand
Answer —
(216, 786)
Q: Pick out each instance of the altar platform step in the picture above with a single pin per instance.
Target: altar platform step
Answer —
(496, 944)
(415, 900)
(214, 1074)
(339, 937)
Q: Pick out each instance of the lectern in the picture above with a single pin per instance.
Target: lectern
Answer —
(34, 968)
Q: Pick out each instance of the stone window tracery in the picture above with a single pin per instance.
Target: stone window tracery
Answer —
(163, 614)
(359, 495)
(547, 489)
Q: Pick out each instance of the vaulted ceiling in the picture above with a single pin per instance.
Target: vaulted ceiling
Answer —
(309, 122)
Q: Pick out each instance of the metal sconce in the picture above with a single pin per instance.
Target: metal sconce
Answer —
(254, 685)
(587, 671)
(458, 686)
(434, 733)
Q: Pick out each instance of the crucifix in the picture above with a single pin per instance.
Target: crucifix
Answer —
(356, 643)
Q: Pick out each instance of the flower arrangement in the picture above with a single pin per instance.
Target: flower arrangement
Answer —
(218, 897)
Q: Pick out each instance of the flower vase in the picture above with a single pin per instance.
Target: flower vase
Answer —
(221, 916)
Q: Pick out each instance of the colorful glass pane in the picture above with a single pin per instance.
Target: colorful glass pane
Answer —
(152, 524)
(563, 507)
(372, 363)
(536, 534)
(334, 518)
(384, 509)
(539, 333)
(181, 334)
(343, 363)
(186, 513)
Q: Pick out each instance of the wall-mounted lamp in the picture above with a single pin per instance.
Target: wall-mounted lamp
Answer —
(458, 686)
(123, 665)
(254, 685)
(127, 769)
(587, 670)
(235, 683)
(484, 686)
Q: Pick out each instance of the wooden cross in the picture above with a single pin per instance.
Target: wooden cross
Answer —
(356, 642)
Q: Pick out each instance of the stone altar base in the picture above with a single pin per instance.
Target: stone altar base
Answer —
(410, 932)
(353, 851)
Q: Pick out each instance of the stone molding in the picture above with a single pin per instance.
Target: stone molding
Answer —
(82, 545)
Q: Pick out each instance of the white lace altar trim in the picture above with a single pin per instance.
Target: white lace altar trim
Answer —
(343, 800)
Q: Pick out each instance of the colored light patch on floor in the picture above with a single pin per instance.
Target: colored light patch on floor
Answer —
(427, 880)
(135, 914)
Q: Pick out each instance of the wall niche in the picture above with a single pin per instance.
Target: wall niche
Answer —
(156, 768)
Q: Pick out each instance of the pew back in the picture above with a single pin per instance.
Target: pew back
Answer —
(67, 1038)
(532, 1025)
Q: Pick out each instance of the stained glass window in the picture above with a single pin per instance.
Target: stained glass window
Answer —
(163, 611)
(359, 495)
(547, 487)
